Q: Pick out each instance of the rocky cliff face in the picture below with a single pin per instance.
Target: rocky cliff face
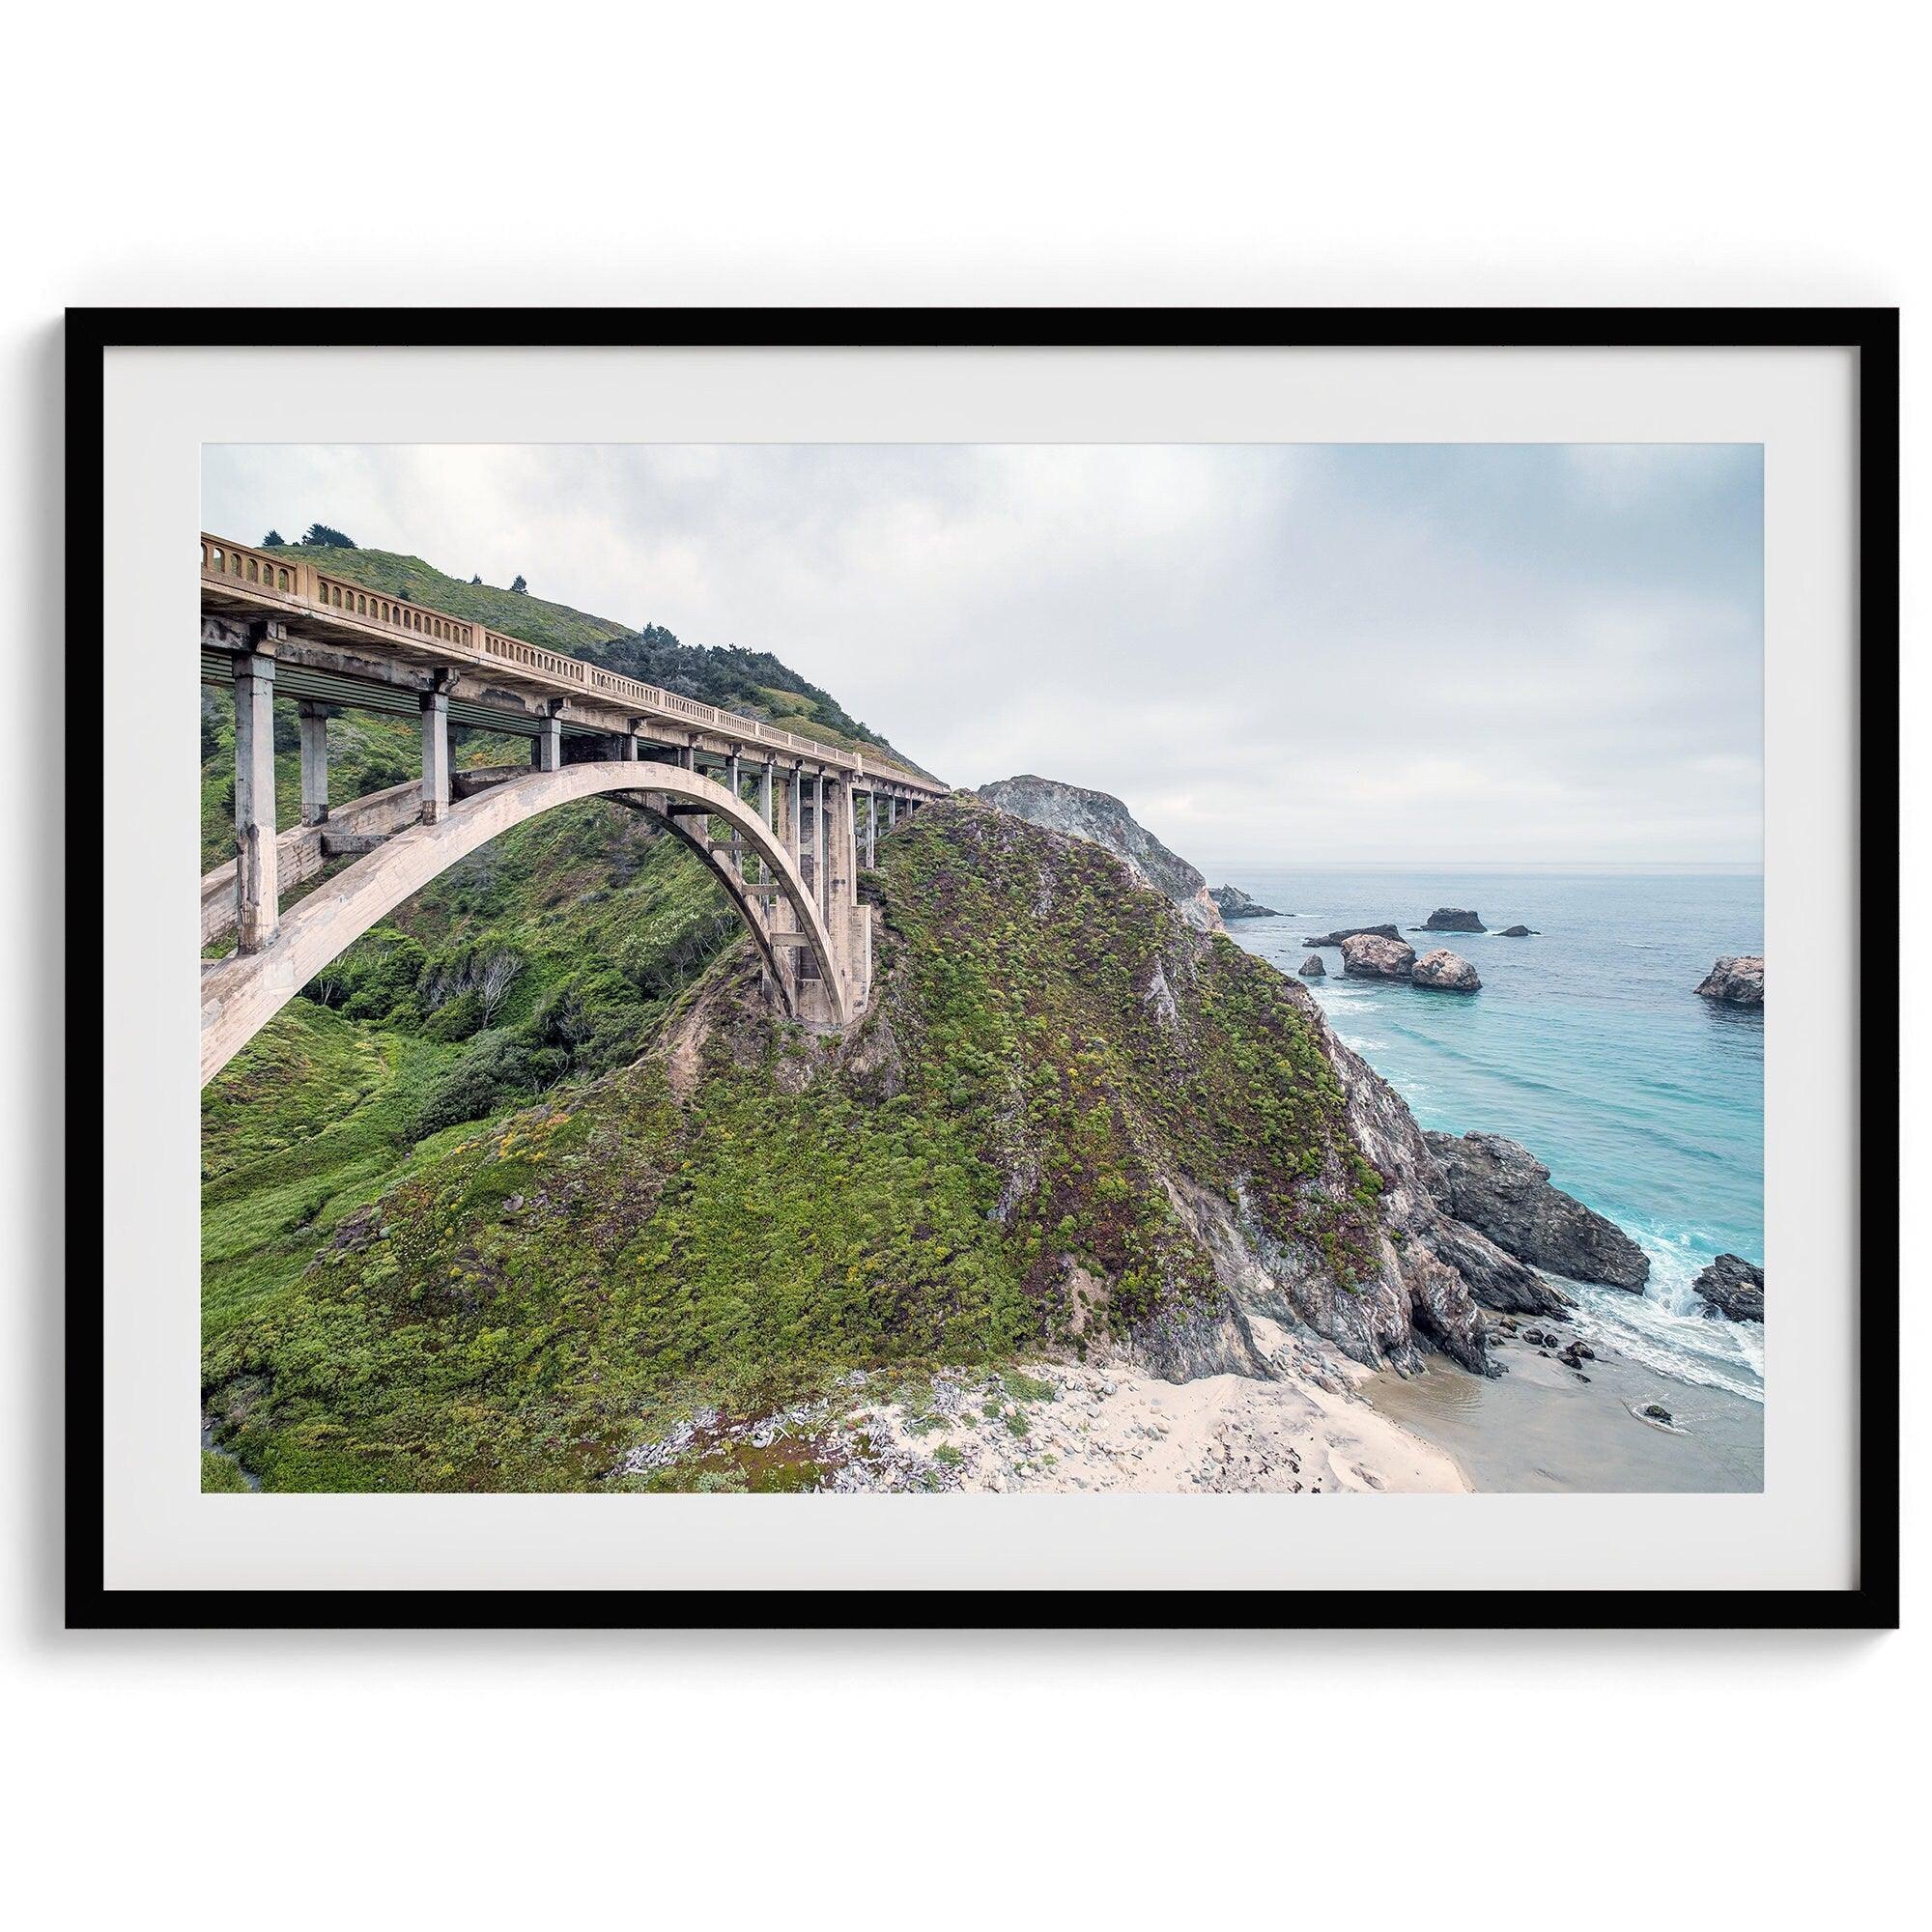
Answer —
(1099, 816)
(1502, 1188)
(1069, 1123)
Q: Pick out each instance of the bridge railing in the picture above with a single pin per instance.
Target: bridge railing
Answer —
(295, 580)
(250, 569)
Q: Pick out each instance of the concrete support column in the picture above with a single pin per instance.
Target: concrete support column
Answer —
(436, 757)
(257, 900)
(819, 879)
(314, 762)
(733, 779)
(767, 775)
(547, 753)
(871, 827)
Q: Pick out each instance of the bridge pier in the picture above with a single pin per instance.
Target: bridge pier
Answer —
(314, 761)
(816, 877)
(434, 756)
(871, 827)
(257, 906)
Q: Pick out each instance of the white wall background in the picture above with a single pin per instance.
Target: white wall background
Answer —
(224, 155)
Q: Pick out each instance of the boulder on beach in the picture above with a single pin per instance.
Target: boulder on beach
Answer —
(1503, 1191)
(1733, 1287)
(1235, 903)
(1736, 981)
(1517, 933)
(1453, 918)
(1312, 967)
(1368, 955)
(1343, 933)
(1448, 972)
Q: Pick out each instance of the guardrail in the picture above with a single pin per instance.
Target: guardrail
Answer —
(299, 583)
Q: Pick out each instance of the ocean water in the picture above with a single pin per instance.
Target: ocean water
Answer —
(1588, 1045)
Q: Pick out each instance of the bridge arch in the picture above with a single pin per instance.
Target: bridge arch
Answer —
(240, 994)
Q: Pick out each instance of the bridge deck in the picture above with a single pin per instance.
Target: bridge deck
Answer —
(246, 584)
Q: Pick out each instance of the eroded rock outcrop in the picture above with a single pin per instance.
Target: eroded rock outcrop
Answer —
(1517, 932)
(1235, 903)
(1453, 918)
(1368, 955)
(1503, 1191)
(1312, 967)
(1447, 972)
(1737, 980)
(1102, 818)
(1733, 1287)
(1344, 932)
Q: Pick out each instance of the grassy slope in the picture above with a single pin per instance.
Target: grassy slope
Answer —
(531, 1297)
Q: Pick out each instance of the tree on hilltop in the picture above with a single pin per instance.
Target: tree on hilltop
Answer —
(521, 589)
(275, 540)
(319, 536)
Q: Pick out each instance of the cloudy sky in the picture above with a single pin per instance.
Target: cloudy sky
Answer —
(1289, 655)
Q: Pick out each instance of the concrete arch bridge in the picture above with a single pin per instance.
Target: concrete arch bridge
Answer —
(777, 817)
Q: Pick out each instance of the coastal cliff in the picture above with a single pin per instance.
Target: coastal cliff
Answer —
(1102, 818)
(1070, 1125)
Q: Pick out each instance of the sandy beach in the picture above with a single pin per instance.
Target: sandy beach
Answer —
(1540, 1427)
(1102, 1428)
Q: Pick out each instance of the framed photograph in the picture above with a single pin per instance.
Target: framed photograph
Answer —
(983, 967)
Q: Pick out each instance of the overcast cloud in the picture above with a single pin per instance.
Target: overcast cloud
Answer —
(1289, 655)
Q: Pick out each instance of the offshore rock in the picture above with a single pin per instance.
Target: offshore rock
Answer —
(1366, 955)
(1448, 972)
(1500, 1188)
(1453, 918)
(1235, 903)
(1343, 933)
(1736, 981)
(1312, 967)
(1102, 818)
(1733, 1287)
(1517, 933)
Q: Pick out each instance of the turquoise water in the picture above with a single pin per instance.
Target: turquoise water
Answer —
(1588, 1045)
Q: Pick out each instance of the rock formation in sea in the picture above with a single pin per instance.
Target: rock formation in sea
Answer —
(1235, 903)
(1733, 1287)
(1453, 918)
(1343, 933)
(1099, 816)
(1737, 980)
(1448, 972)
(1517, 933)
(1367, 955)
(1312, 967)
(1502, 1189)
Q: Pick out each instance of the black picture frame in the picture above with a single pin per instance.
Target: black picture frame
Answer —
(1872, 1603)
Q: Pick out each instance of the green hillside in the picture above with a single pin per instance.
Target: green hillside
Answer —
(745, 1213)
(540, 963)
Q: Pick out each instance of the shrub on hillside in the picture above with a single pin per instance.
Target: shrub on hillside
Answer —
(499, 1068)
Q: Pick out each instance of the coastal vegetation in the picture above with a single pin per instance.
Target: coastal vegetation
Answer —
(707, 1208)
